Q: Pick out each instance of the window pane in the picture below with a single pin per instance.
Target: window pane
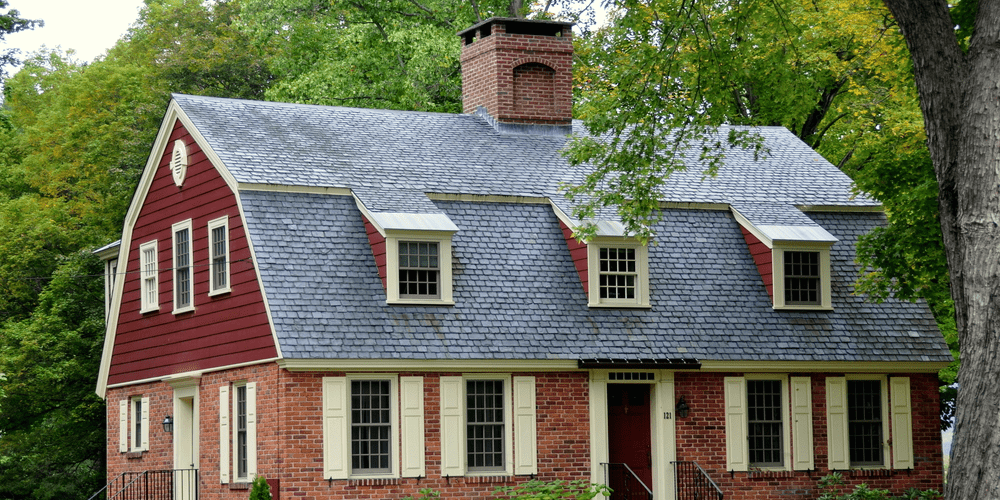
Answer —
(802, 278)
(419, 273)
(182, 267)
(219, 257)
(617, 276)
(764, 422)
(484, 424)
(370, 426)
(864, 416)
(241, 431)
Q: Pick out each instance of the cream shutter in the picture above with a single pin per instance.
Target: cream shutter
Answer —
(412, 426)
(336, 446)
(224, 434)
(251, 430)
(525, 429)
(736, 424)
(836, 424)
(145, 424)
(802, 424)
(902, 423)
(452, 427)
(123, 425)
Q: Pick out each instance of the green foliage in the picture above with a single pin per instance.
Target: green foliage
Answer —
(832, 487)
(12, 22)
(52, 423)
(425, 494)
(260, 489)
(552, 490)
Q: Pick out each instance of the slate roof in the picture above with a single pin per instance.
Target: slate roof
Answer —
(517, 293)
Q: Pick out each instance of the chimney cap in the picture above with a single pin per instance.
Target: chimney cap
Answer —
(545, 24)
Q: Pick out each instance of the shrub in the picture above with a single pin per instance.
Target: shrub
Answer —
(260, 489)
(552, 490)
(832, 485)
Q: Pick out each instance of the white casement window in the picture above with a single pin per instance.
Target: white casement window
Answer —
(133, 424)
(761, 412)
(373, 426)
(618, 273)
(238, 432)
(418, 268)
(218, 245)
(861, 411)
(488, 425)
(801, 276)
(149, 270)
(183, 268)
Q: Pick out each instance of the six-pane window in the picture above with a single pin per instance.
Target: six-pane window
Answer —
(618, 273)
(148, 265)
(218, 241)
(371, 426)
(485, 424)
(802, 279)
(764, 427)
(419, 269)
(864, 417)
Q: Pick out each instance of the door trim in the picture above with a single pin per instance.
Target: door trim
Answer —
(662, 429)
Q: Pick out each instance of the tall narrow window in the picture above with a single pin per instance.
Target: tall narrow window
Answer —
(218, 236)
(183, 279)
(764, 425)
(484, 406)
(137, 423)
(149, 270)
(618, 273)
(419, 269)
(864, 417)
(241, 432)
(802, 278)
(371, 426)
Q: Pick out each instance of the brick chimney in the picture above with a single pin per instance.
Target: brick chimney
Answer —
(520, 71)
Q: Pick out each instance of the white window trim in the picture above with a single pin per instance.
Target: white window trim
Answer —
(180, 226)
(392, 240)
(126, 427)
(110, 276)
(229, 462)
(593, 272)
(738, 422)
(836, 420)
(407, 453)
(147, 305)
(213, 288)
(454, 461)
(778, 274)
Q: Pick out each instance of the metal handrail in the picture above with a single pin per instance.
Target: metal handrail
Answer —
(701, 475)
(165, 484)
(630, 471)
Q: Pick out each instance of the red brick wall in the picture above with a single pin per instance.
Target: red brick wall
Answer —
(701, 437)
(544, 88)
(290, 436)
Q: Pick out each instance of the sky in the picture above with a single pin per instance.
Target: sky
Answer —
(89, 27)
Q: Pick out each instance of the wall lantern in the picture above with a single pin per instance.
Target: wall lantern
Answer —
(168, 424)
(682, 408)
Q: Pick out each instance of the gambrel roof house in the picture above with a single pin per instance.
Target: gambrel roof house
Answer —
(362, 303)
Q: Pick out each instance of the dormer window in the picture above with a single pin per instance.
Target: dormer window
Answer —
(419, 270)
(618, 270)
(801, 276)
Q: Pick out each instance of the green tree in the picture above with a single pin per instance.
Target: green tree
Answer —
(53, 424)
(12, 22)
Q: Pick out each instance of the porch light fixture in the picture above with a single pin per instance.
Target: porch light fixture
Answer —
(168, 424)
(682, 408)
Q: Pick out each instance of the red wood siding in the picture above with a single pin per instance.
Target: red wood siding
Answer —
(578, 252)
(762, 257)
(224, 329)
(378, 248)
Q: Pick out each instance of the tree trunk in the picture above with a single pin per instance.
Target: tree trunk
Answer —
(960, 99)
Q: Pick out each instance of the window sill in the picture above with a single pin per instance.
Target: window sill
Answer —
(420, 302)
(183, 310)
(240, 485)
(803, 308)
(221, 291)
(134, 455)
(147, 311)
(613, 305)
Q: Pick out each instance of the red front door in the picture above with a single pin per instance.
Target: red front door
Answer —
(629, 439)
